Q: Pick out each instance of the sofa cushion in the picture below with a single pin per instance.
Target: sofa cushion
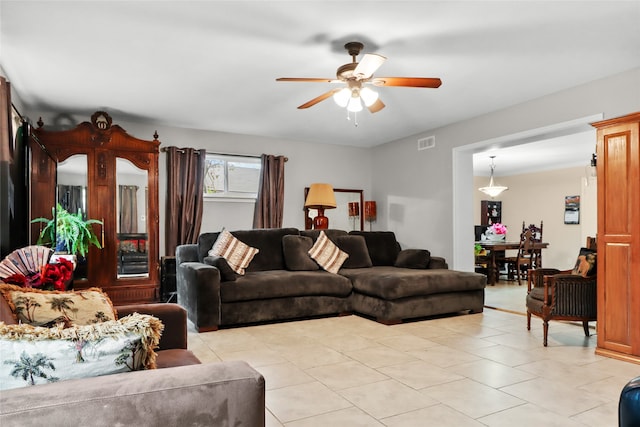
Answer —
(36, 307)
(283, 284)
(227, 274)
(237, 253)
(327, 254)
(391, 283)
(356, 248)
(175, 357)
(77, 352)
(413, 258)
(382, 245)
(296, 253)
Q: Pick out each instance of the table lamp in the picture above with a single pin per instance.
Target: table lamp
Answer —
(320, 197)
(370, 212)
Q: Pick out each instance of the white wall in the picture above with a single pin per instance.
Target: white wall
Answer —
(422, 183)
(539, 196)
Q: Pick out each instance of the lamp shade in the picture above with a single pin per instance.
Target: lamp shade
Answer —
(370, 211)
(354, 209)
(320, 196)
(493, 190)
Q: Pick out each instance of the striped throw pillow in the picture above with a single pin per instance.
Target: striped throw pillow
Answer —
(237, 254)
(326, 254)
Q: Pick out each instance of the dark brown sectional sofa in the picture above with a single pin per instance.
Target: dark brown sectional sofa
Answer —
(379, 280)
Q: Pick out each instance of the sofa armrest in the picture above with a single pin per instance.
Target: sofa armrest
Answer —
(174, 318)
(187, 253)
(438, 262)
(198, 287)
(228, 393)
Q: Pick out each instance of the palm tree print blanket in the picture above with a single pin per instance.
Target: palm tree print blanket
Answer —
(33, 355)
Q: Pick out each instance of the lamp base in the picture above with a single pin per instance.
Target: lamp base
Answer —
(320, 222)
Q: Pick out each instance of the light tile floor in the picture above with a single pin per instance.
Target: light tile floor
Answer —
(482, 369)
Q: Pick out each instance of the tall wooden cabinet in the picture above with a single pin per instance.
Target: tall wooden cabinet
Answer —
(113, 177)
(618, 168)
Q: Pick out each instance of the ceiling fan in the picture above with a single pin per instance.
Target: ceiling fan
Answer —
(358, 76)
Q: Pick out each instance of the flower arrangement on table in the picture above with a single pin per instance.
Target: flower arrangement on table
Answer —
(51, 277)
(498, 228)
(496, 231)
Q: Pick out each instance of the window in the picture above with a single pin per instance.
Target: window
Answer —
(231, 176)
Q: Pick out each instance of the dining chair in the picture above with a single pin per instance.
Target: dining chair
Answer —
(525, 259)
(537, 237)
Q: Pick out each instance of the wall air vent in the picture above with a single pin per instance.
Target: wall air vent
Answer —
(428, 142)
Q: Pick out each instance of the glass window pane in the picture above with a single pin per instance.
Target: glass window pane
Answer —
(243, 177)
(214, 178)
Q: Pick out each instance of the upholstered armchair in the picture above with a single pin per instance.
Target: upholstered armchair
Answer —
(560, 295)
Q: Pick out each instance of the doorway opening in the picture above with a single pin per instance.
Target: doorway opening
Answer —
(463, 179)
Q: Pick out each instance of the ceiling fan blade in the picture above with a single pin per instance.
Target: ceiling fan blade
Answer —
(305, 79)
(369, 64)
(376, 106)
(318, 99)
(431, 82)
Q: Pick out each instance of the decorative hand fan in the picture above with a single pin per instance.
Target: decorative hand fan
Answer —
(25, 261)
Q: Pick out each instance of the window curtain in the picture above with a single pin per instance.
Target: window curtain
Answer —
(270, 202)
(71, 198)
(128, 208)
(185, 178)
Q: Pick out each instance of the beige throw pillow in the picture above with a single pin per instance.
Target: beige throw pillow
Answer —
(327, 254)
(237, 254)
(37, 307)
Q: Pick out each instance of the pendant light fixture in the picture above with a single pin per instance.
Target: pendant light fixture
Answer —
(492, 189)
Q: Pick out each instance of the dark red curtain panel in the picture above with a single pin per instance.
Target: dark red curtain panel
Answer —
(270, 202)
(185, 180)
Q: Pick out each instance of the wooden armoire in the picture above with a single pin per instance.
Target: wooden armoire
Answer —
(110, 176)
(618, 240)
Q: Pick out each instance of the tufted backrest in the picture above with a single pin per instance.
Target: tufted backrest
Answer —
(382, 245)
(267, 240)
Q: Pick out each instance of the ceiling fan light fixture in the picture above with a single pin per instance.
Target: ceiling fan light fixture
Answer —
(493, 190)
(369, 96)
(342, 97)
(355, 75)
(354, 105)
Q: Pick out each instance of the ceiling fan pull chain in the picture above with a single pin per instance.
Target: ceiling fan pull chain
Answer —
(355, 117)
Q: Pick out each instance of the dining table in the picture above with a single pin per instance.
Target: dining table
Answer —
(495, 246)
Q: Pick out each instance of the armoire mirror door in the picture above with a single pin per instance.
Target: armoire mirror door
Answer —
(71, 194)
(122, 192)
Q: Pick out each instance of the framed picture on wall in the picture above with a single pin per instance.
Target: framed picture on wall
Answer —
(572, 210)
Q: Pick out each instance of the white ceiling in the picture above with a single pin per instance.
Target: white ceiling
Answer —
(212, 64)
(554, 153)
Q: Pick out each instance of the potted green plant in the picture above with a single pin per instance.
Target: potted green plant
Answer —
(68, 232)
